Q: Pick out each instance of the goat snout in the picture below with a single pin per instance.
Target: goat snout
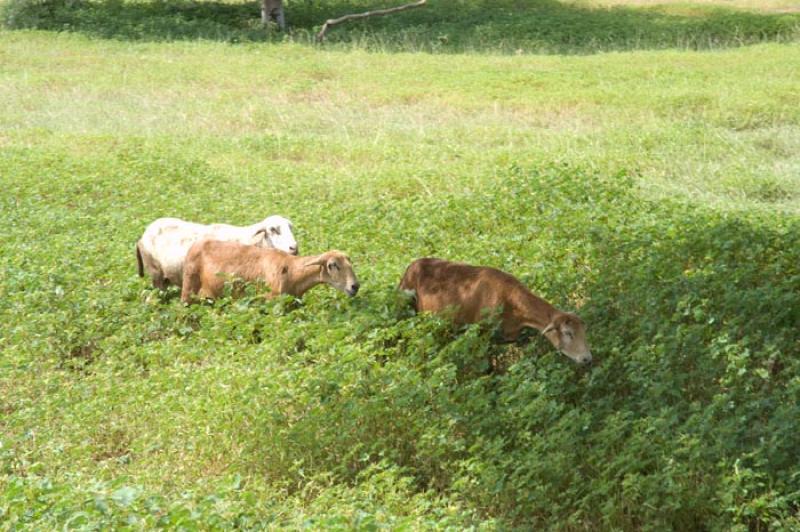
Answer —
(353, 290)
(586, 359)
(293, 250)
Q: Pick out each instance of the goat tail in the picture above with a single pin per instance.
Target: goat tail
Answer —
(409, 280)
(403, 284)
(139, 260)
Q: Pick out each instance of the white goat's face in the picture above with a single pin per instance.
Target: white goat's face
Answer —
(276, 232)
(339, 273)
(567, 333)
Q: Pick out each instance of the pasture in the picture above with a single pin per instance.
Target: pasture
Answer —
(648, 180)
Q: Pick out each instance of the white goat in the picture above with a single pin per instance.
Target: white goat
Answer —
(162, 249)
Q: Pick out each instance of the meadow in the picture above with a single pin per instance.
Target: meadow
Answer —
(637, 164)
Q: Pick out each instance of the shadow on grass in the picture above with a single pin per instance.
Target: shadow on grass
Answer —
(693, 320)
(500, 26)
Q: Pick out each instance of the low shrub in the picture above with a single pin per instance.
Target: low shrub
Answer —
(341, 412)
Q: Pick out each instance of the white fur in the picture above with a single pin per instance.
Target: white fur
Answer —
(166, 241)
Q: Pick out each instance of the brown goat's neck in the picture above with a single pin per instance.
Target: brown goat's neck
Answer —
(535, 311)
(304, 277)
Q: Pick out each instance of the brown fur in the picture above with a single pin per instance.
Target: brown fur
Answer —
(469, 294)
(210, 261)
(139, 260)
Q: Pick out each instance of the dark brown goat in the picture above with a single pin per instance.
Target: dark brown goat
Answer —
(469, 293)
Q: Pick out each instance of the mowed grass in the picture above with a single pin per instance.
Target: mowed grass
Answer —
(756, 5)
(656, 192)
(719, 127)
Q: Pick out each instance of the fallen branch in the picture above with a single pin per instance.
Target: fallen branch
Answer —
(378, 12)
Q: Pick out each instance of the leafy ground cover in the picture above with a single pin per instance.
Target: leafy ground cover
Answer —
(655, 192)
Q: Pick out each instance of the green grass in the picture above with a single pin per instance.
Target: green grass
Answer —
(656, 192)
(442, 26)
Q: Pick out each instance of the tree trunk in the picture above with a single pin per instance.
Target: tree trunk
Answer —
(272, 10)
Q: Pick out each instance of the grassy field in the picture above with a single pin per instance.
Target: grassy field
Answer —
(443, 26)
(755, 5)
(650, 182)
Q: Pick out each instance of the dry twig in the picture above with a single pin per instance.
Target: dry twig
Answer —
(378, 12)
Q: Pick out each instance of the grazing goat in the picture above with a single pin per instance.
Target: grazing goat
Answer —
(164, 244)
(467, 293)
(208, 259)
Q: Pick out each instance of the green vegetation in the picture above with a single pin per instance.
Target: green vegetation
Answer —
(656, 192)
(549, 26)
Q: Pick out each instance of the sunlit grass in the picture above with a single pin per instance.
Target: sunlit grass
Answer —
(756, 5)
(713, 126)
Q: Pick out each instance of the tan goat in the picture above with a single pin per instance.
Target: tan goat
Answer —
(468, 293)
(209, 261)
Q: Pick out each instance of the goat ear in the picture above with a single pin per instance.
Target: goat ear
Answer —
(551, 326)
(315, 261)
(260, 231)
